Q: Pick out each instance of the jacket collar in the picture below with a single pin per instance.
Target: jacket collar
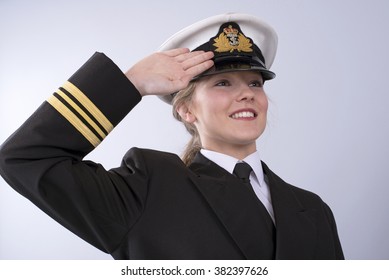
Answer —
(296, 230)
(233, 206)
(296, 225)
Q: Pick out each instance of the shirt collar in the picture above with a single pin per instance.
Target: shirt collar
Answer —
(228, 163)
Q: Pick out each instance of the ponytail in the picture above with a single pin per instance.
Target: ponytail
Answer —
(194, 144)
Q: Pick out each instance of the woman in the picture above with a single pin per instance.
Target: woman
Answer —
(211, 204)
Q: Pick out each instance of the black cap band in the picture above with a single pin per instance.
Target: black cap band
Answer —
(234, 52)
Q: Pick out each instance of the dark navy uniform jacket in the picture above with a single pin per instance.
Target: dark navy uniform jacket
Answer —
(152, 206)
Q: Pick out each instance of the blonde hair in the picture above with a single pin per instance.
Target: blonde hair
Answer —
(194, 145)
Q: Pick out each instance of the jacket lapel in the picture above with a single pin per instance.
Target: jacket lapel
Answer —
(233, 207)
(296, 235)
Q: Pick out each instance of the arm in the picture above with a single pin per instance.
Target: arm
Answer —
(43, 159)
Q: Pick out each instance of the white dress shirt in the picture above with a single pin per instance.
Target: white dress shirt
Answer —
(257, 180)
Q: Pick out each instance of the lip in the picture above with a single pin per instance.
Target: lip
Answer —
(244, 110)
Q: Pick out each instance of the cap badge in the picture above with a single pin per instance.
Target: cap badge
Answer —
(231, 39)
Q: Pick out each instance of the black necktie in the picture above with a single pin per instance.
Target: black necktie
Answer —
(242, 170)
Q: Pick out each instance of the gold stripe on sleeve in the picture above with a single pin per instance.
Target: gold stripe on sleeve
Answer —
(74, 120)
(88, 104)
(82, 113)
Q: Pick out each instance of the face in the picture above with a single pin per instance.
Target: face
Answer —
(229, 111)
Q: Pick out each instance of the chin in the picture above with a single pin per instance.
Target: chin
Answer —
(248, 138)
(246, 141)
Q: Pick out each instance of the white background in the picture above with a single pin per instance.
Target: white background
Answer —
(328, 128)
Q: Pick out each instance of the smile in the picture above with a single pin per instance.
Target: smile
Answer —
(243, 114)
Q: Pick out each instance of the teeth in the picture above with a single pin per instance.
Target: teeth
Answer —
(243, 115)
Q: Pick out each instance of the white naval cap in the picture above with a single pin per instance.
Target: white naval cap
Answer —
(240, 42)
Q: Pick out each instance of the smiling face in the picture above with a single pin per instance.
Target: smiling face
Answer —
(229, 111)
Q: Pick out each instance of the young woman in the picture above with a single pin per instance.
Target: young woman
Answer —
(218, 202)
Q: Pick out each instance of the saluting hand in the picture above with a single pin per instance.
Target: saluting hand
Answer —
(169, 71)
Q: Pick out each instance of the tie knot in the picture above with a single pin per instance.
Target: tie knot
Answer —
(242, 170)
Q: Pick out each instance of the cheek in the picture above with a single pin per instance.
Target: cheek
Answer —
(206, 107)
(263, 103)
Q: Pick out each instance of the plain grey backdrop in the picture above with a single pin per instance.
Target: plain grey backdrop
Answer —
(328, 126)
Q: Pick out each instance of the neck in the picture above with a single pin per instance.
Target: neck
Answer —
(237, 151)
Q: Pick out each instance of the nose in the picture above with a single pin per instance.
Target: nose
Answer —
(245, 93)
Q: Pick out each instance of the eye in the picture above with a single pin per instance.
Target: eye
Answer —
(256, 83)
(222, 83)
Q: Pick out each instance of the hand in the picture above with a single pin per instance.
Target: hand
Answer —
(169, 71)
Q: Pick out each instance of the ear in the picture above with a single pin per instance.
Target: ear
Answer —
(186, 114)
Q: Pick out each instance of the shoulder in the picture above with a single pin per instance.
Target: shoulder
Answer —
(303, 195)
(151, 158)
(305, 198)
(148, 154)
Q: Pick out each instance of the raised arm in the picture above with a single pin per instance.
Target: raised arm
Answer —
(43, 159)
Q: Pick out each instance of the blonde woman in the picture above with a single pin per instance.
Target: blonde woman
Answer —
(220, 201)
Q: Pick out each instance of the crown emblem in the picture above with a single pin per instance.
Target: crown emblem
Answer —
(230, 39)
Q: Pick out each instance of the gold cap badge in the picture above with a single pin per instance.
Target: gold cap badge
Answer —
(231, 39)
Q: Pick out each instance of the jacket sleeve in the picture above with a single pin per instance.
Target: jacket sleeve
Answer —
(43, 159)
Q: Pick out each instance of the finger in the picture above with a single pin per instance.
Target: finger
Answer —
(199, 68)
(176, 52)
(197, 59)
(186, 56)
(183, 82)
